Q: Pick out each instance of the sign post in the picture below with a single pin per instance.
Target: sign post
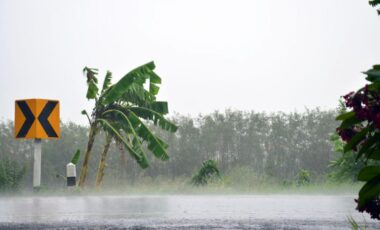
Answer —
(37, 163)
(37, 119)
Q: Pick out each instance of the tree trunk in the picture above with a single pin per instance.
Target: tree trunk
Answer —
(84, 169)
(123, 161)
(102, 162)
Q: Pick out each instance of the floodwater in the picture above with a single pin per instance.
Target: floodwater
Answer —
(182, 212)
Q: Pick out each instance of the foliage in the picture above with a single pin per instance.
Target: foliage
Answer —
(303, 177)
(76, 157)
(208, 171)
(122, 110)
(360, 129)
(354, 224)
(345, 167)
(11, 173)
(375, 3)
(256, 148)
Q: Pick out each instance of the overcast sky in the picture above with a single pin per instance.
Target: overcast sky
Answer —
(281, 55)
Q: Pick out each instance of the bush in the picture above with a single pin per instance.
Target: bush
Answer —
(303, 177)
(11, 173)
(208, 171)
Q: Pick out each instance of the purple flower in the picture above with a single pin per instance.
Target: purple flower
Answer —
(346, 134)
(349, 95)
(376, 120)
(372, 207)
(363, 113)
(365, 99)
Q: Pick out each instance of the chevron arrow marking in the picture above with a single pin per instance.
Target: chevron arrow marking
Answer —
(43, 118)
(29, 118)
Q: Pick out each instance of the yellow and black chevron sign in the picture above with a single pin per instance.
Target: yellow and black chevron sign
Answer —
(37, 118)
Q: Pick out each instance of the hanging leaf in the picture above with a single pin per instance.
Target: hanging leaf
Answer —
(369, 191)
(107, 81)
(92, 82)
(137, 95)
(367, 145)
(155, 144)
(159, 107)
(374, 154)
(92, 90)
(91, 74)
(374, 2)
(368, 173)
(350, 121)
(356, 140)
(76, 157)
(153, 89)
(136, 143)
(138, 75)
(345, 116)
(373, 75)
(154, 116)
(141, 159)
(154, 78)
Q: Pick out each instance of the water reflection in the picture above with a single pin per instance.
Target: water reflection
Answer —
(38, 209)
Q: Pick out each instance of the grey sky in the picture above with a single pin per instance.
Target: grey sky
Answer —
(281, 55)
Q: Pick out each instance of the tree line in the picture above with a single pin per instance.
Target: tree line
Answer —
(274, 146)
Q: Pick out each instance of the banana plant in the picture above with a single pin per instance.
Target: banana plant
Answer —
(375, 3)
(124, 111)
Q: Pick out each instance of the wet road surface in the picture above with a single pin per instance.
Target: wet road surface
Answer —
(181, 212)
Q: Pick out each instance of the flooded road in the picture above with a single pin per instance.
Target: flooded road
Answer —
(181, 212)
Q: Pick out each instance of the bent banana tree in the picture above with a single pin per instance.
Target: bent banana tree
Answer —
(123, 111)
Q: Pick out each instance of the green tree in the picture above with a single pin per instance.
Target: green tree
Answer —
(121, 111)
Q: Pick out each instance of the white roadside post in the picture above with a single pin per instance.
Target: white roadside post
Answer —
(37, 164)
(71, 174)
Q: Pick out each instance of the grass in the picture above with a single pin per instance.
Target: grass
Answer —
(219, 187)
(235, 182)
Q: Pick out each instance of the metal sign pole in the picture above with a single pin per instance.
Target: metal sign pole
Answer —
(37, 164)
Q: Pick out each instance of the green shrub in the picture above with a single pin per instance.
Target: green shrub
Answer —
(11, 173)
(208, 171)
(303, 177)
